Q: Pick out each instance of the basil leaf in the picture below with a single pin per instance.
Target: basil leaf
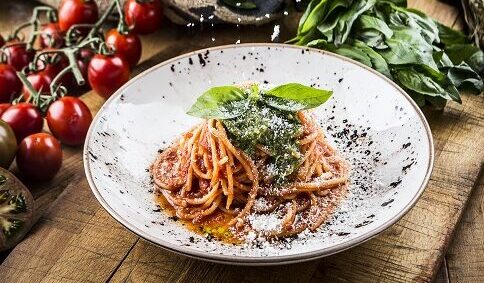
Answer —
(353, 53)
(346, 21)
(470, 54)
(441, 58)
(464, 77)
(450, 36)
(372, 38)
(319, 43)
(407, 46)
(368, 22)
(418, 21)
(316, 12)
(422, 84)
(377, 61)
(240, 4)
(222, 102)
(295, 97)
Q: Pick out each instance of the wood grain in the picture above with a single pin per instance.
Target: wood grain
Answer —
(76, 240)
(465, 258)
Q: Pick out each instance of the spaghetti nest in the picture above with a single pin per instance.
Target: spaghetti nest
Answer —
(203, 174)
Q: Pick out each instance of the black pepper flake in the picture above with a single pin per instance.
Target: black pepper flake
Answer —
(387, 202)
(92, 155)
(406, 145)
(190, 61)
(364, 223)
(340, 80)
(396, 183)
(191, 239)
(174, 218)
(201, 60)
(172, 67)
(406, 167)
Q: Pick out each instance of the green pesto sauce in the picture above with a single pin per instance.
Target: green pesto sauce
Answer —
(275, 130)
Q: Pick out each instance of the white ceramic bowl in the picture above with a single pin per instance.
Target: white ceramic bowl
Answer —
(373, 123)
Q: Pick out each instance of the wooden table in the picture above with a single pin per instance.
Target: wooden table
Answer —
(76, 240)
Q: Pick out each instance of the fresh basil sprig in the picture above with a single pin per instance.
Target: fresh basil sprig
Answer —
(226, 102)
(295, 97)
(429, 60)
(222, 102)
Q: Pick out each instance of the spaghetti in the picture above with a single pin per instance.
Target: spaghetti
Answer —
(204, 176)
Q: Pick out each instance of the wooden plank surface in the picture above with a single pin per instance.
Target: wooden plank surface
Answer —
(77, 240)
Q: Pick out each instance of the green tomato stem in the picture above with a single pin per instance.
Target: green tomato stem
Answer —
(33, 93)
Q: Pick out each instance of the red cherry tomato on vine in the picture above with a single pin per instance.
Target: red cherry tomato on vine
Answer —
(72, 12)
(39, 157)
(51, 36)
(24, 119)
(69, 119)
(10, 85)
(40, 82)
(127, 46)
(18, 56)
(4, 107)
(143, 17)
(107, 73)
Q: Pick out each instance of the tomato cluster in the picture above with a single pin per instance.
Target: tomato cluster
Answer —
(37, 75)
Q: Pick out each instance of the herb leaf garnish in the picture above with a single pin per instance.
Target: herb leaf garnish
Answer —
(295, 97)
(223, 102)
(226, 102)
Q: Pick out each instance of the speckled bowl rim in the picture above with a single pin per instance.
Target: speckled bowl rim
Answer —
(266, 260)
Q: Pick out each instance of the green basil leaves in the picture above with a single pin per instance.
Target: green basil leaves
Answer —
(223, 102)
(226, 102)
(295, 97)
(429, 60)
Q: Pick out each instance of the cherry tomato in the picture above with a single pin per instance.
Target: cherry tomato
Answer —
(72, 12)
(107, 73)
(51, 36)
(18, 56)
(127, 46)
(24, 119)
(69, 119)
(39, 157)
(40, 82)
(2, 41)
(10, 84)
(3, 107)
(143, 17)
(8, 145)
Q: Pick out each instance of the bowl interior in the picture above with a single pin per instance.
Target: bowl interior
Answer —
(370, 121)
